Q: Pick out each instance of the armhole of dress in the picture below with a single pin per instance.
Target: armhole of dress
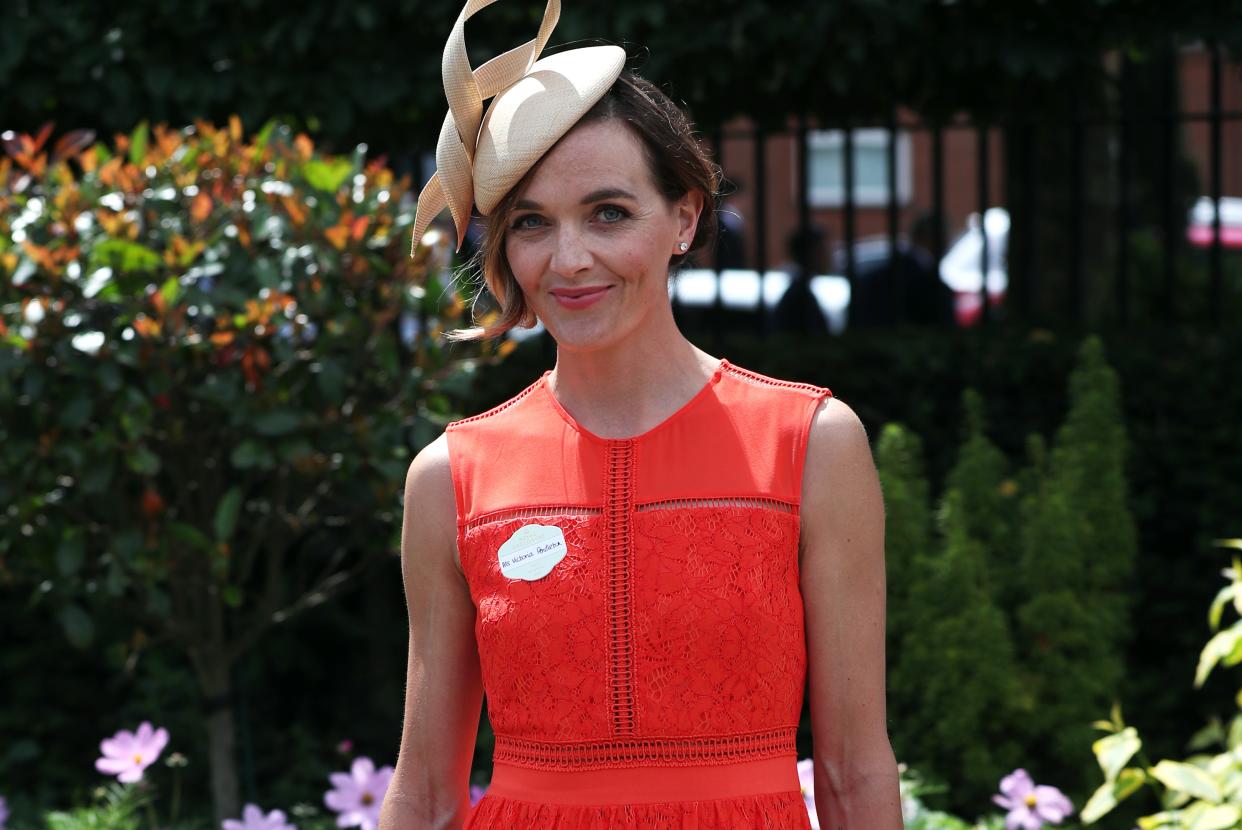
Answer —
(459, 496)
(818, 395)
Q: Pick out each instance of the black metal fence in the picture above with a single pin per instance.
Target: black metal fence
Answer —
(1084, 195)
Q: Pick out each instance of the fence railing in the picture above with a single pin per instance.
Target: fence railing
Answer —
(1214, 225)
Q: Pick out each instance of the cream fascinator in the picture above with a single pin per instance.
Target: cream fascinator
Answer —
(481, 155)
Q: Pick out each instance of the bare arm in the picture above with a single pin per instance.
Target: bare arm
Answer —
(430, 784)
(842, 579)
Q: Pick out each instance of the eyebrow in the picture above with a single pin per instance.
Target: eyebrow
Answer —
(593, 196)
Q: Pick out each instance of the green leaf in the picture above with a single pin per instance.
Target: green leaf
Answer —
(1115, 751)
(97, 476)
(126, 256)
(331, 379)
(190, 535)
(76, 412)
(143, 462)
(170, 291)
(1219, 817)
(1187, 779)
(232, 596)
(277, 422)
(138, 144)
(327, 176)
(1219, 647)
(70, 554)
(249, 454)
(227, 512)
(1112, 793)
(77, 625)
(1218, 606)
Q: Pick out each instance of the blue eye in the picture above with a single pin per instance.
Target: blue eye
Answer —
(526, 222)
(612, 213)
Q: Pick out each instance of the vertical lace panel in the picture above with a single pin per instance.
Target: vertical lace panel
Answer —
(618, 506)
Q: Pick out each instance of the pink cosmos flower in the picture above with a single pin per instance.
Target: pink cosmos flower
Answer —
(806, 781)
(476, 794)
(1030, 806)
(126, 754)
(254, 819)
(358, 795)
(4, 812)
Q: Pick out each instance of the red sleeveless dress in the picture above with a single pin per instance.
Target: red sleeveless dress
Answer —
(653, 678)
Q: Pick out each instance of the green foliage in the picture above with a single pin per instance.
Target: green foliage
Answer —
(1204, 792)
(908, 522)
(116, 808)
(1012, 629)
(216, 360)
(953, 686)
(372, 70)
(1077, 558)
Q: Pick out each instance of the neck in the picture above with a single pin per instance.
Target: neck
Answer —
(630, 387)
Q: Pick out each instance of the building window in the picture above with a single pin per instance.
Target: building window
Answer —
(827, 173)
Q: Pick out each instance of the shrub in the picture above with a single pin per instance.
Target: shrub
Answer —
(216, 359)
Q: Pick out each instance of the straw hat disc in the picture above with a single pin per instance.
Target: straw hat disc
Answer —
(525, 120)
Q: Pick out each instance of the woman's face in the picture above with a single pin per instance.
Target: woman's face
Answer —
(590, 237)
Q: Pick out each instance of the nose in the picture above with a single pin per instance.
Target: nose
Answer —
(571, 255)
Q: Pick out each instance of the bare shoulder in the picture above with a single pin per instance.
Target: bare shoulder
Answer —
(837, 437)
(840, 485)
(430, 523)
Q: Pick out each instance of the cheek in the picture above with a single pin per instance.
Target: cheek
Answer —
(523, 263)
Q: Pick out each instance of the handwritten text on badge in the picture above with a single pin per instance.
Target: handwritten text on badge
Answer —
(532, 551)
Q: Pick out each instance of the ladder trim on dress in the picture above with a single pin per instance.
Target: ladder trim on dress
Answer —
(634, 752)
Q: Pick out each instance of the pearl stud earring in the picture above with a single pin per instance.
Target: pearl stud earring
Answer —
(683, 246)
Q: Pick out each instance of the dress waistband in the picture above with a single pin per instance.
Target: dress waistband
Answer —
(645, 785)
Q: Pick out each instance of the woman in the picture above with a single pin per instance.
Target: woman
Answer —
(643, 555)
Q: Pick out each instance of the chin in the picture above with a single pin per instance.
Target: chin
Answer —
(582, 335)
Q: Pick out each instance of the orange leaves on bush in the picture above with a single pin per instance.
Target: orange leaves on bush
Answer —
(26, 150)
(348, 229)
(152, 503)
(296, 211)
(304, 146)
(200, 207)
(121, 175)
(255, 363)
(260, 312)
(181, 252)
(116, 225)
(166, 141)
(243, 231)
(51, 260)
(71, 144)
(147, 327)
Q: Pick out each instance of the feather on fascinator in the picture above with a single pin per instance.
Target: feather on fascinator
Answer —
(481, 155)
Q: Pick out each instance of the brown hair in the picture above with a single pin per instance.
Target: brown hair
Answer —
(678, 162)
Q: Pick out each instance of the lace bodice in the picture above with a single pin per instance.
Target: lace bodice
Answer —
(670, 631)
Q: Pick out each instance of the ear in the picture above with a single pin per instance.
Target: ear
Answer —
(687, 209)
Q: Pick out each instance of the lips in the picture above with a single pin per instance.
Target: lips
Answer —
(580, 297)
(573, 293)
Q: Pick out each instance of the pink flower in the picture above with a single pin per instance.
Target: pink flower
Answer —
(127, 754)
(476, 794)
(4, 812)
(1030, 806)
(806, 781)
(253, 819)
(345, 747)
(358, 795)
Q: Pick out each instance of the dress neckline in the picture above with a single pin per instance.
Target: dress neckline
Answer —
(689, 404)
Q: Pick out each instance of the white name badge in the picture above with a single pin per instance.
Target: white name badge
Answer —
(532, 551)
